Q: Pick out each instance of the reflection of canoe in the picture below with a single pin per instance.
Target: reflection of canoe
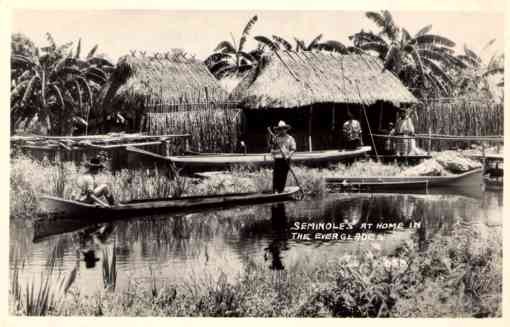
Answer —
(226, 160)
(472, 179)
(44, 228)
(59, 208)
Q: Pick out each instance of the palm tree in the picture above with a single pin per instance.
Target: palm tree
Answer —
(277, 43)
(477, 77)
(230, 57)
(54, 87)
(420, 61)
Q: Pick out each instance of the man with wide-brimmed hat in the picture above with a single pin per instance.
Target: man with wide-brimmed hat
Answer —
(90, 191)
(283, 147)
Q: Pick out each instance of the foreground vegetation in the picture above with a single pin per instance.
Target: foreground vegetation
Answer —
(458, 273)
(30, 179)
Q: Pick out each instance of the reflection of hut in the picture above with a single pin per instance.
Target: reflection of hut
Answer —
(170, 94)
(322, 85)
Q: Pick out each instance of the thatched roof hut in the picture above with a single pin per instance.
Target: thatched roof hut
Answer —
(288, 79)
(161, 82)
(323, 87)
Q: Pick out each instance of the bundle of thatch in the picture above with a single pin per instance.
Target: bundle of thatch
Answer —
(287, 79)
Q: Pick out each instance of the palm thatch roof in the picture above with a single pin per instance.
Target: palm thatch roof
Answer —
(162, 80)
(287, 79)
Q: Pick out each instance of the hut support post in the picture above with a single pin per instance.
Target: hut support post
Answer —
(429, 146)
(310, 112)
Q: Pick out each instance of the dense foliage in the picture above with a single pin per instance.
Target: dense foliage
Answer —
(52, 87)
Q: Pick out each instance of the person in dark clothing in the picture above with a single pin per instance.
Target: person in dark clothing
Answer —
(352, 133)
(283, 147)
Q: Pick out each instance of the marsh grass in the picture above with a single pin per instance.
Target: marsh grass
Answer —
(38, 296)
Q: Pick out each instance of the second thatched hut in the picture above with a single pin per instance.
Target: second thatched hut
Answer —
(312, 91)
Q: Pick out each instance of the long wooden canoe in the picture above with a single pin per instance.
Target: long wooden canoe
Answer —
(470, 179)
(61, 208)
(219, 161)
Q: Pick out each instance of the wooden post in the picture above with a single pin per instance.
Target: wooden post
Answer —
(429, 146)
(310, 112)
(186, 144)
(167, 147)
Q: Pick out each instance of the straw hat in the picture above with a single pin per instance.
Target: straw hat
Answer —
(282, 125)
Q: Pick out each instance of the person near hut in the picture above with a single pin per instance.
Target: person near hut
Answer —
(90, 192)
(282, 148)
(352, 132)
(404, 127)
(389, 145)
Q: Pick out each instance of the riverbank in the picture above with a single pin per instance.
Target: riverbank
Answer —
(457, 273)
(30, 179)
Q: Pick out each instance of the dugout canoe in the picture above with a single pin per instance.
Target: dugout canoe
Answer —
(56, 207)
(222, 161)
(471, 179)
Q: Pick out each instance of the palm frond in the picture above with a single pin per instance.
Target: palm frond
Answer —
(314, 42)
(28, 90)
(434, 39)
(423, 30)
(300, 44)
(267, 42)
(246, 32)
(491, 42)
(78, 49)
(247, 56)
(58, 94)
(225, 47)
(468, 60)
(493, 71)
(92, 52)
(286, 44)
(334, 46)
(216, 57)
(99, 61)
(16, 91)
(437, 71)
(418, 62)
(405, 36)
(472, 54)
(376, 17)
(380, 48)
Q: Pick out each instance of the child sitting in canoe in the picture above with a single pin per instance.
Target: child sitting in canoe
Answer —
(90, 192)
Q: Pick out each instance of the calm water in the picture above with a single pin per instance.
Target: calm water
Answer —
(198, 247)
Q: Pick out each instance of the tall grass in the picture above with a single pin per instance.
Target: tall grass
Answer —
(42, 296)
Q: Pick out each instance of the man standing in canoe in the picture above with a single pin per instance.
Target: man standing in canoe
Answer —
(283, 147)
(90, 192)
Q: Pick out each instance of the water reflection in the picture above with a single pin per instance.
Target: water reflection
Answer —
(279, 228)
(204, 244)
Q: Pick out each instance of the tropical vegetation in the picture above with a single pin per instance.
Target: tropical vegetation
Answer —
(53, 87)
